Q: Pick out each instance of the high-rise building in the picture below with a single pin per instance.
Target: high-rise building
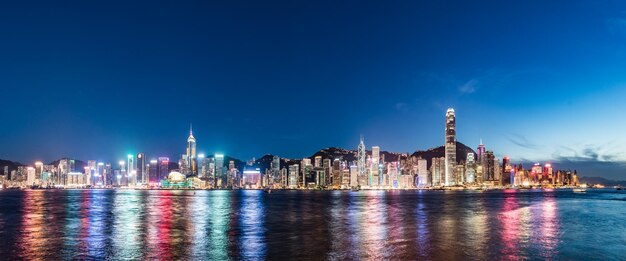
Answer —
(163, 169)
(374, 167)
(354, 173)
(450, 147)
(191, 159)
(275, 170)
(489, 168)
(470, 168)
(480, 150)
(318, 162)
(422, 173)
(219, 170)
(131, 170)
(153, 172)
(293, 176)
(141, 169)
(361, 168)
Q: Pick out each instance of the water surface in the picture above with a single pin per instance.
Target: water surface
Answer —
(312, 225)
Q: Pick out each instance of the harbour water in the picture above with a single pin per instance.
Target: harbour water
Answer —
(313, 225)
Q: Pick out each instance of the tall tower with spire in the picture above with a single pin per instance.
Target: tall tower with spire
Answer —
(450, 147)
(361, 159)
(191, 153)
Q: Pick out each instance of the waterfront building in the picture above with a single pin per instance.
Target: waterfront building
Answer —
(251, 178)
(31, 177)
(470, 169)
(141, 176)
(317, 162)
(219, 170)
(480, 150)
(374, 169)
(190, 157)
(75, 180)
(153, 173)
(450, 147)
(354, 174)
(275, 170)
(293, 176)
(163, 169)
(459, 174)
(489, 169)
(327, 166)
(175, 180)
(437, 168)
(422, 173)
(131, 170)
(362, 175)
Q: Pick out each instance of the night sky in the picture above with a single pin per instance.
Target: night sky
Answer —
(536, 80)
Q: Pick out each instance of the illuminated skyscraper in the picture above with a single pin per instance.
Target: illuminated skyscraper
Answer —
(489, 167)
(470, 168)
(163, 169)
(480, 150)
(219, 170)
(142, 176)
(361, 160)
(293, 176)
(131, 170)
(375, 173)
(450, 147)
(422, 173)
(191, 153)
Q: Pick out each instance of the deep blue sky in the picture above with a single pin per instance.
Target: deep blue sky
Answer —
(536, 80)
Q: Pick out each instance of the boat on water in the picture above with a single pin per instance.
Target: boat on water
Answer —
(579, 190)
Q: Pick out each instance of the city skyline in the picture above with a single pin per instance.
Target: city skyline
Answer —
(93, 80)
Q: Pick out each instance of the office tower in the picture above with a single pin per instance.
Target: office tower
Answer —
(547, 172)
(361, 161)
(206, 167)
(275, 170)
(489, 168)
(219, 170)
(470, 168)
(450, 147)
(422, 173)
(31, 179)
(141, 169)
(480, 150)
(318, 161)
(293, 176)
(163, 169)
(63, 169)
(131, 170)
(191, 160)
(153, 172)
(327, 166)
(354, 173)
(437, 169)
(90, 172)
(374, 166)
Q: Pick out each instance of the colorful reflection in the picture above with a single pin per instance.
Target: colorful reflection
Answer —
(127, 211)
(252, 213)
(349, 225)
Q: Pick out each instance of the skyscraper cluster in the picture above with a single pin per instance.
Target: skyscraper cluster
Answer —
(374, 169)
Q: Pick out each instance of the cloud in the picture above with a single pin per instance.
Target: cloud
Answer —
(468, 87)
(521, 141)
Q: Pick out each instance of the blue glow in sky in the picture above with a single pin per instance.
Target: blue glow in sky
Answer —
(536, 80)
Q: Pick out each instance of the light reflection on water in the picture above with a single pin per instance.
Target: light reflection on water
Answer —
(253, 225)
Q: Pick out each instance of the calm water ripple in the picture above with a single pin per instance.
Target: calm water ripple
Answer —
(312, 225)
